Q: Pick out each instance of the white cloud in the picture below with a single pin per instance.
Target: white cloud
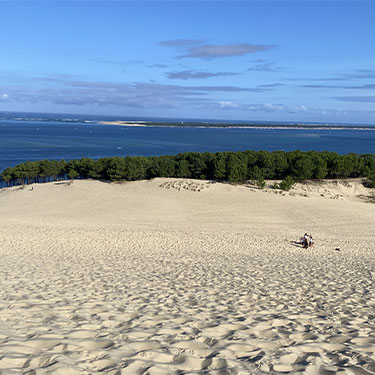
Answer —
(226, 104)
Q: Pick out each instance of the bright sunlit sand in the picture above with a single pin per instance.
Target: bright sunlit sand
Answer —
(186, 277)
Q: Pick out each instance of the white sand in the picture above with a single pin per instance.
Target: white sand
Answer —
(186, 277)
(124, 123)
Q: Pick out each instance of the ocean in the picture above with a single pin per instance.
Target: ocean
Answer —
(26, 136)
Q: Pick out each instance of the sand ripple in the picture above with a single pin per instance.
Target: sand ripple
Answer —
(127, 308)
(107, 300)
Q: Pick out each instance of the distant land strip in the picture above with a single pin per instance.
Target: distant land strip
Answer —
(194, 124)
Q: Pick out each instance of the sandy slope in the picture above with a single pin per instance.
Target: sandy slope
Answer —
(185, 277)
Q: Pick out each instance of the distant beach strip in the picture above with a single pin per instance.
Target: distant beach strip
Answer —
(239, 125)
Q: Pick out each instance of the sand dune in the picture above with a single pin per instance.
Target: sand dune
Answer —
(186, 277)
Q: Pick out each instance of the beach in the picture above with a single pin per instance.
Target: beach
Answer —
(171, 276)
(238, 125)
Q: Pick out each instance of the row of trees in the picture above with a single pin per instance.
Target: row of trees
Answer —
(229, 166)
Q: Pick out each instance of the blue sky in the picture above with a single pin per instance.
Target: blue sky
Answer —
(246, 60)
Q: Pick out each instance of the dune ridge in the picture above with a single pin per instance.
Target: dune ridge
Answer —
(185, 277)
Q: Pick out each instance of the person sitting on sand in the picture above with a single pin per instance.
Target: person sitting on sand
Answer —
(302, 239)
(311, 241)
(305, 241)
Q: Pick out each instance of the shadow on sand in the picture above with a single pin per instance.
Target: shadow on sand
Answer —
(295, 243)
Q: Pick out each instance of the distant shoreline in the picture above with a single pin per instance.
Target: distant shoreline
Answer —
(176, 123)
(183, 124)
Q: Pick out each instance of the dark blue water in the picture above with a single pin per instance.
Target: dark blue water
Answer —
(22, 140)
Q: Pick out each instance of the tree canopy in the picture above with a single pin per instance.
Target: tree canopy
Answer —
(226, 166)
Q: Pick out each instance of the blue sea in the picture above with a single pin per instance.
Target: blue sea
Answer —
(25, 136)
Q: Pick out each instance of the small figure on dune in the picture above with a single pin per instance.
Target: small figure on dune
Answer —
(306, 241)
(311, 241)
(303, 241)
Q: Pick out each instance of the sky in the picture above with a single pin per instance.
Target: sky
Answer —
(298, 61)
